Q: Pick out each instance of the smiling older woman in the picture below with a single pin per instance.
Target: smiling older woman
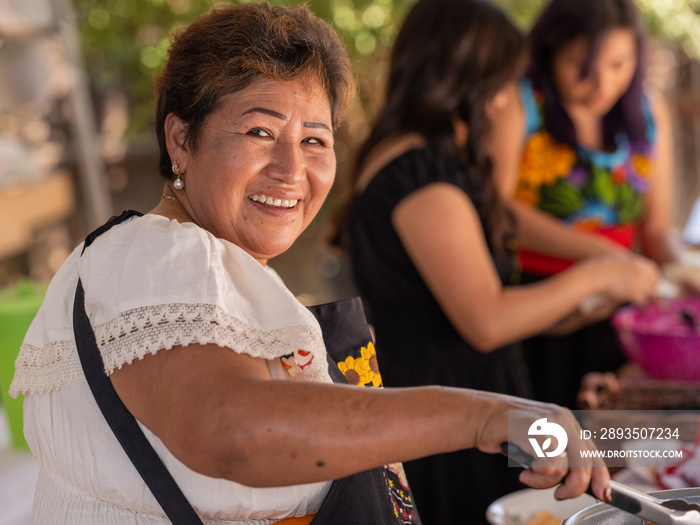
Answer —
(230, 380)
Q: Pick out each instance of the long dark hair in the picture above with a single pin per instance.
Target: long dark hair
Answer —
(449, 60)
(561, 22)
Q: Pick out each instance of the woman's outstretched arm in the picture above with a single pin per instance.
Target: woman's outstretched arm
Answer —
(221, 414)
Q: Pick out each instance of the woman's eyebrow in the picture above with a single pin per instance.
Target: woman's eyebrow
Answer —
(281, 116)
(266, 112)
(316, 125)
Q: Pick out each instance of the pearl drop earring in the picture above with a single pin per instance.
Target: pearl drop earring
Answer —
(179, 183)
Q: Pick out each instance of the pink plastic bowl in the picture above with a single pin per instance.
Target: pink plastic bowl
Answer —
(661, 338)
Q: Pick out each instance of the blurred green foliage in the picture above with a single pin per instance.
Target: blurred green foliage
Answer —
(125, 41)
(677, 20)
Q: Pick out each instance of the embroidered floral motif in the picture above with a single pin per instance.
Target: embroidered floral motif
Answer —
(544, 161)
(400, 493)
(578, 187)
(641, 164)
(297, 361)
(363, 370)
(619, 175)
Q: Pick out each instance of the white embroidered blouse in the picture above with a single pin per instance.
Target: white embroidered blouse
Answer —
(151, 284)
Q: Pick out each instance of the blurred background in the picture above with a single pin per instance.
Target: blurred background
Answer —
(77, 145)
(76, 104)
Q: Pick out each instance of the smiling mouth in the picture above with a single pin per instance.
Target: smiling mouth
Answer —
(270, 201)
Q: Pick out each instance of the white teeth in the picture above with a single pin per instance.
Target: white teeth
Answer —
(279, 203)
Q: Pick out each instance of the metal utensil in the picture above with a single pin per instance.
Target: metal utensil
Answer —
(610, 515)
(661, 512)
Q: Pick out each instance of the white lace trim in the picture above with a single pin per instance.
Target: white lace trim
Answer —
(149, 329)
(42, 369)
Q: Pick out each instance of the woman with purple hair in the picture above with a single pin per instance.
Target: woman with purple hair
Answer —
(594, 169)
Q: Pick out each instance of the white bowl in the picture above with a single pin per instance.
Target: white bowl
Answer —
(517, 508)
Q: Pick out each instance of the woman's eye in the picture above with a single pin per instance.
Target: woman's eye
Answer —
(617, 66)
(260, 132)
(314, 141)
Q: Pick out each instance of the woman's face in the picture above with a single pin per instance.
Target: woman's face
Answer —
(610, 75)
(263, 166)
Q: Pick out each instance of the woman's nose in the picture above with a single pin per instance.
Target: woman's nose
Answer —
(288, 162)
(595, 79)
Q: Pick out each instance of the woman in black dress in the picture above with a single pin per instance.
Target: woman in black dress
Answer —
(431, 244)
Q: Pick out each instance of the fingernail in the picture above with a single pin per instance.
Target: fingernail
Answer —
(607, 494)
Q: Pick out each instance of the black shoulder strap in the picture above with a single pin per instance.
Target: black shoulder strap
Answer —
(120, 420)
(113, 221)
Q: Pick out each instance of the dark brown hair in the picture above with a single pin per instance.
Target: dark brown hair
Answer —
(450, 58)
(561, 22)
(225, 50)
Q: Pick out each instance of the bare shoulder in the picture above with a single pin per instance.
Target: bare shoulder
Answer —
(450, 206)
(508, 106)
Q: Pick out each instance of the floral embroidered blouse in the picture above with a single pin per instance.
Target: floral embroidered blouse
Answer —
(591, 190)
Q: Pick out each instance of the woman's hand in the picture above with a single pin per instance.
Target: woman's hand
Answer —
(624, 279)
(627, 278)
(504, 419)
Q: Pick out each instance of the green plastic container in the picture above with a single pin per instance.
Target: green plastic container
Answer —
(18, 306)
